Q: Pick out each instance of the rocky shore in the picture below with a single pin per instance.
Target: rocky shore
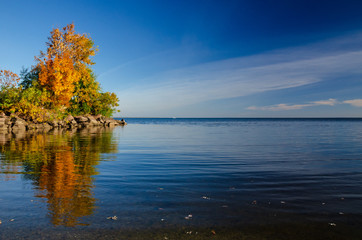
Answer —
(14, 123)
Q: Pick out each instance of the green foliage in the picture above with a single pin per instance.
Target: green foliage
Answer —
(9, 98)
(29, 77)
(106, 104)
(89, 99)
(46, 92)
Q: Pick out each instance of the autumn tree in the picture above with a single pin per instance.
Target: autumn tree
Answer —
(65, 71)
(66, 61)
(61, 83)
(8, 79)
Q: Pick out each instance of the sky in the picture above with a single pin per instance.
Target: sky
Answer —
(245, 58)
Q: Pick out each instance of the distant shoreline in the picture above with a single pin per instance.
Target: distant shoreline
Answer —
(252, 118)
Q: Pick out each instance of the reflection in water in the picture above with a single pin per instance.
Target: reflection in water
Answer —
(61, 165)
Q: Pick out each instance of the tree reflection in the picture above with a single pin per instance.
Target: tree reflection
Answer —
(61, 165)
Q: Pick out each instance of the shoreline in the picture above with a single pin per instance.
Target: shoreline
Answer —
(15, 124)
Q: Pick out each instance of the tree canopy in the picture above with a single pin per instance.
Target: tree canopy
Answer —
(61, 83)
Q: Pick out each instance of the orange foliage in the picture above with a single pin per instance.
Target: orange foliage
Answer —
(65, 63)
(8, 79)
(58, 75)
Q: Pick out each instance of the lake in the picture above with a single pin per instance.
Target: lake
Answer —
(185, 179)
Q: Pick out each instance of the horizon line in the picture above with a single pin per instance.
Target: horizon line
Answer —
(248, 117)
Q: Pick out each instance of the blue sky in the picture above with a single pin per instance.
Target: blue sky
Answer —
(266, 58)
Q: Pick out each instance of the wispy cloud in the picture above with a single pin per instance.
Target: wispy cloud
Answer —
(354, 102)
(285, 107)
(329, 102)
(244, 76)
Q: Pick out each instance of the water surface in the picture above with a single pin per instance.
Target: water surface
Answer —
(185, 178)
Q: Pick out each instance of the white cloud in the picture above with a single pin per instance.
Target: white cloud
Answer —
(286, 107)
(354, 102)
(244, 76)
(329, 102)
(280, 107)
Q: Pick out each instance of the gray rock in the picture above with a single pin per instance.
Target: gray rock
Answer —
(18, 124)
(4, 125)
(81, 119)
(92, 120)
(100, 118)
(61, 124)
(70, 122)
(121, 122)
(69, 119)
(53, 123)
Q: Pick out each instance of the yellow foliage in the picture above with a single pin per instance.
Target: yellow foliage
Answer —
(58, 75)
(8, 79)
(65, 63)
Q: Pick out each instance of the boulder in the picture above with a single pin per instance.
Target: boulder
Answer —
(110, 122)
(81, 119)
(4, 123)
(31, 126)
(44, 127)
(100, 118)
(70, 121)
(18, 128)
(61, 124)
(92, 120)
(54, 123)
(18, 124)
(121, 122)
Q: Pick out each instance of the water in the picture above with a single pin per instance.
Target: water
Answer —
(185, 179)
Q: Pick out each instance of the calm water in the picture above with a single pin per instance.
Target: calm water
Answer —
(185, 179)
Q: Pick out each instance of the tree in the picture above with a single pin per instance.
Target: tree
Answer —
(8, 79)
(67, 60)
(9, 91)
(61, 83)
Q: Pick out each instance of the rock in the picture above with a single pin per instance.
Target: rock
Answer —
(70, 122)
(69, 119)
(46, 126)
(19, 125)
(121, 122)
(16, 124)
(92, 120)
(42, 127)
(61, 124)
(16, 120)
(4, 124)
(110, 122)
(53, 123)
(31, 126)
(81, 119)
(100, 118)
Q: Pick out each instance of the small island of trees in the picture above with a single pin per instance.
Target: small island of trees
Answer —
(59, 85)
